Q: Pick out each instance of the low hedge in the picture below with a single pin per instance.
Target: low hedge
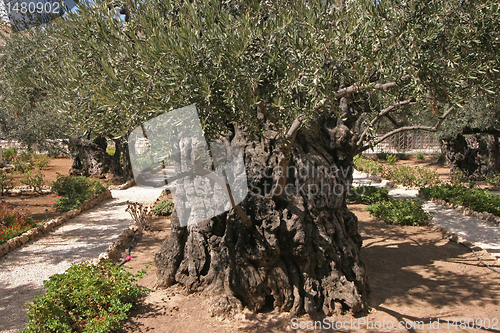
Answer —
(368, 194)
(475, 199)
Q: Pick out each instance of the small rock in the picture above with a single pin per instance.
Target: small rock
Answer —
(375, 179)
(389, 184)
(4, 249)
(12, 244)
(103, 256)
(24, 238)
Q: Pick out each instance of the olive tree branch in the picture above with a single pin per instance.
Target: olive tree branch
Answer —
(382, 113)
(409, 128)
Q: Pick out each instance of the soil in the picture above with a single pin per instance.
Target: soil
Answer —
(417, 277)
(39, 205)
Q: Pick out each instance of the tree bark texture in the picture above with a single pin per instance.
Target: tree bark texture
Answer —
(302, 253)
(477, 156)
(92, 159)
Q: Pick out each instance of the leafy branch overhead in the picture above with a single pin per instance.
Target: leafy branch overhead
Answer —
(241, 60)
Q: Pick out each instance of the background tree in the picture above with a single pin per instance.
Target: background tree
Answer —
(24, 84)
(39, 106)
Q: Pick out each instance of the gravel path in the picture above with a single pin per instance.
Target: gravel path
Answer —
(479, 232)
(84, 237)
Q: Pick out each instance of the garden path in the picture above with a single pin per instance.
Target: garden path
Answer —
(82, 238)
(481, 233)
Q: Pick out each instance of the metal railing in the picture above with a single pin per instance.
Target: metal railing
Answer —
(409, 143)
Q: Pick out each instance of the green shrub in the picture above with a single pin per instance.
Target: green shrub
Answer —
(74, 190)
(9, 153)
(6, 182)
(86, 298)
(402, 211)
(475, 199)
(382, 156)
(420, 156)
(40, 161)
(364, 164)
(165, 207)
(404, 175)
(411, 176)
(33, 181)
(13, 221)
(494, 180)
(20, 165)
(391, 159)
(25, 161)
(368, 194)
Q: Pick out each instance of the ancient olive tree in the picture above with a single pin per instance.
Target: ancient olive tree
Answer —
(300, 87)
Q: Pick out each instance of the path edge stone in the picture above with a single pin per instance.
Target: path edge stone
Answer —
(485, 216)
(116, 248)
(48, 226)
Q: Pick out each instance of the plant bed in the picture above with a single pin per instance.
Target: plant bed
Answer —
(475, 199)
(405, 175)
(49, 225)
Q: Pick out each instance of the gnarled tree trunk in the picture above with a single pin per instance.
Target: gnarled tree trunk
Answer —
(476, 156)
(303, 250)
(90, 158)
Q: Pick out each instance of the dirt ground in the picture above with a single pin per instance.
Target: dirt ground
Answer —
(420, 282)
(39, 204)
(416, 277)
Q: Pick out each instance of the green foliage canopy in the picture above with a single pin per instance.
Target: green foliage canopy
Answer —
(237, 59)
